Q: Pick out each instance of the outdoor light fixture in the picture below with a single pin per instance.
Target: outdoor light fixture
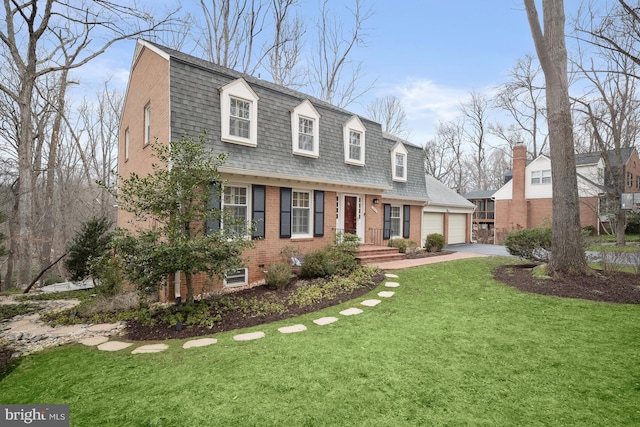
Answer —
(376, 201)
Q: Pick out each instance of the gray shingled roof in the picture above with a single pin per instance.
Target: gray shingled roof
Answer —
(440, 194)
(479, 194)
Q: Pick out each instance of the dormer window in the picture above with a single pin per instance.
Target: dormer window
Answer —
(305, 135)
(239, 113)
(354, 142)
(399, 162)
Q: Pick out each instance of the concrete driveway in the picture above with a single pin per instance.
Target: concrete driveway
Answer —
(479, 248)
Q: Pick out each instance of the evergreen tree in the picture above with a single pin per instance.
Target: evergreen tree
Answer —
(89, 244)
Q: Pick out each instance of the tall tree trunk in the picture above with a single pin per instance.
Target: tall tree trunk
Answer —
(48, 222)
(25, 179)
(567, 252)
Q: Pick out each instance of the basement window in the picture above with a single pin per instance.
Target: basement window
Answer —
(237, 277)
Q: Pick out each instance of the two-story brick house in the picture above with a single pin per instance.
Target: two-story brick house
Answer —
(301, 168)
(525, 201)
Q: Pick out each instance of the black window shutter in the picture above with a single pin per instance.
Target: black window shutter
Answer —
(386, 232)
(213, 224)
(285, 212)
(318, 213)
(406, 221)
(258, 208)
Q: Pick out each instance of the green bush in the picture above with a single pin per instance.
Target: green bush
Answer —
(530, 243)
(317, 264)
(332, 260)
(434, 242)
(278, 275)
(399, 243)
(108, 274)
(93, 240)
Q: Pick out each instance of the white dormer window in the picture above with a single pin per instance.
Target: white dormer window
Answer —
(354, 141)
(399, 162)
(305, 134)
(239, 113)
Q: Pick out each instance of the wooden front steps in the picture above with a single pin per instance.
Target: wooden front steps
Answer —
(371, 254)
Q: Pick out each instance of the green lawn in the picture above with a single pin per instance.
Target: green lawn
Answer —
(451, 347)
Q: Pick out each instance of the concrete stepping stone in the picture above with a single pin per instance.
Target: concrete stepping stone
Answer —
(150, 348)
(114, 345)
(102, 327)
(292, 329)
(371, 302)
(351, 311)
(94, 341)
(202, 342)
(390, 276)
(386, 294)
(392, 284)
(248, 337)
(325, 320)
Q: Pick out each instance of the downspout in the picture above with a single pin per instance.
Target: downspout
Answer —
(176, 281)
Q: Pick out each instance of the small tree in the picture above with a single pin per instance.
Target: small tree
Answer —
(89, 244)
(176, 200)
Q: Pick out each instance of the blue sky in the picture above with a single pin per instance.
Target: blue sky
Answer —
(429, 53)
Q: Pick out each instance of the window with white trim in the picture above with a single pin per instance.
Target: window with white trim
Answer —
(237, 277)
(541, 177)
(396, 221)
(239, 113)
(305, 130)
(239, 118)
(147, 123)
(354, 134)
(126, 144)
(301, 213)
(399, 162)
(235, 203)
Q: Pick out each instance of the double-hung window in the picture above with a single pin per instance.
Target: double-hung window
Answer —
(541, 177)
(301, 213)
(354, 134)
(236, 209)
(355, 146)
(399, 162)
(126, 144)
(305, 135)
(239, 117)
(239, 113)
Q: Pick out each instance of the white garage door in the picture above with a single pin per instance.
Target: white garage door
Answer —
(432, 223)
(457, 228)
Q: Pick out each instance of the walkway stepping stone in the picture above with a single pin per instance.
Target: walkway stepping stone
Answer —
(325, 320)
(202, 342)
(392, 284)
(250, 336)
(102, 327)
(390, 276)
(292, 329)
(114, 346)
(370, 302)
(151, 348)
(386, 294)
(351, 311)
(93, 341)
(66, 330)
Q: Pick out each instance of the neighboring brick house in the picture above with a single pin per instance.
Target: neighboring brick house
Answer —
(525, 201)
(302, 168)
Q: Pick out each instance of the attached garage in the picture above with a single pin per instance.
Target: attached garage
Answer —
(432, 222)
(457, 230)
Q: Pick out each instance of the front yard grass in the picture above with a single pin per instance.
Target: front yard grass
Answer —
(451, 347)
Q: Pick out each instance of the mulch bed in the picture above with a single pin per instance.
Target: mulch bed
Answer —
(236, 320)
(616, 287)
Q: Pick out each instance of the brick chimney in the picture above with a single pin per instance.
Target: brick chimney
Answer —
(519, 213)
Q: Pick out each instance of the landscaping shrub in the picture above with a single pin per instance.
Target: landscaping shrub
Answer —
(530, 243)
(317, 264)
(278, 275)
(399, 243)
(434, 242)
(108, 274)
(89, 243)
